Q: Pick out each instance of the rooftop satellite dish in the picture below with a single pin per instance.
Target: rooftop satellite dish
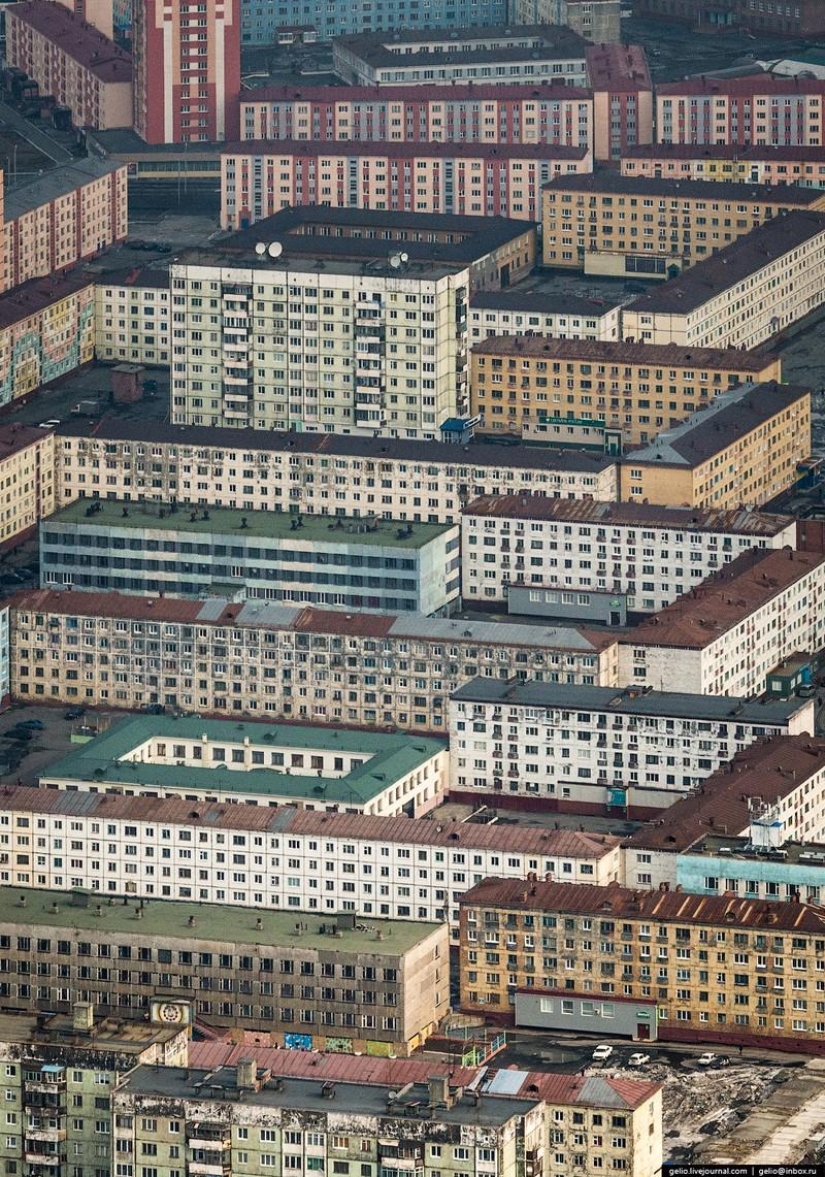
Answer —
(260, 249)
(275, 249)
(405, 257)
(395, 260)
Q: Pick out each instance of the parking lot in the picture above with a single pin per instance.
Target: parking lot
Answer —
(21, 761)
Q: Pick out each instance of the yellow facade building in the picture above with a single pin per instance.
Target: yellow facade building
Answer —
(727, 162)
(26, 480)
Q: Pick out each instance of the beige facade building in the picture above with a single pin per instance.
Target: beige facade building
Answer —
(297, 663)
(597, 20)
(622, 89)
(740, 297)
(804, 166)
(260, 178)
(539, 389)
(747, 447)
(79, 66)
(619, 225)
(132, 317)
(728, 634)
(760, 109)
(532, 312)
(26, 481)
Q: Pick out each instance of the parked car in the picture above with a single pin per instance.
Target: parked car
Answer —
(36, 725)
(707, 1059)
(806, 691)
(602, 1053)
(638, 1060)
(52, 423)
(154, 709)
(19, 733)
(75, 713)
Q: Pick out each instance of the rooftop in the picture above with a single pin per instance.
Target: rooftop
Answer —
(51, 185)
(39, 1035)
(137, 276)
(617, 902)
(808, 854)
(541, 303)
(380, 148)
(530, 840)
(715, 192)
(755, 83)
(438, 47)
(722, 423)
(762, 775)
(118, 515)
(713, 708)
(723, 151)
(468, 92)
(111, 759)
(724, 599)
(709, 278)
(39, 293)
(617, 67)
(15, 437)
(79, 40)
(736, 521)
(206, 922)
(653, 355)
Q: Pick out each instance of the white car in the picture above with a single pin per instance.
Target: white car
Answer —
(602, 1053)
(52, 424)
(638, 1060)
(706, 1060)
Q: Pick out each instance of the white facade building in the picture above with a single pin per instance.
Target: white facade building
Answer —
(132, 317)
(509, 312)
(593, 748)
(651, 555)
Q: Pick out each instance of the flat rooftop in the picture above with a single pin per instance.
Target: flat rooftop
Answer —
(77, 39)
(408, 48)
(380, 96)
(540, 302)
(107, 760)
(649, 355)
(314, 148)
(211, 922)
(715, 192)
(723, 151)
(736, 262)
(728, 418)
(52, 185)
(754, 83)
(40, 1035)
(331, 530)
(38, 294)
(133, 276)
(742, 850)
(713, 708)
(618, 67)
(15, 437)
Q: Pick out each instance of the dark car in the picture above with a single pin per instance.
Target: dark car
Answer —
(19, 733)
(163, 247)
(75, 713)
(36, 725)
(154, 709)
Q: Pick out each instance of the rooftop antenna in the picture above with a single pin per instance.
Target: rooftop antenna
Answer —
(405, 257)
(275, 249)
(395, 260)
(260, 248)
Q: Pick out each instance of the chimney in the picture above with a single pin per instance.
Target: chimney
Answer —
(83, 1016)
(439, 1089)
(246, 1073)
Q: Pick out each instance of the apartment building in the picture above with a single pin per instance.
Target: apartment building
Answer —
(741, 296)
(502, 56)
(599, 21)
(260, 178)
(269, 661)
(266, 25)
(384, 867)
(518, 312)
(801, 19)
(361, 565)
(132, 316)
(596, 750)
(46, 331)
(725, 636)
(622, 96)
(646, 554)
(72, 61)
(769, 795)
(63, 217)
(617, 224)
(760, 109)
(26, 481)
(726, 969)
(752, 869)
(534, 388)
(386, 982)
(747, 446)
(58, 1072)
(803, 166)
(99, 13)
(187, 70)
(322, 474)
(559, 116)
(361, 326)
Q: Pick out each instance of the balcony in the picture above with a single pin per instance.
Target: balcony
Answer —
(216, 1168)
(40, 1154)
(36, 1131)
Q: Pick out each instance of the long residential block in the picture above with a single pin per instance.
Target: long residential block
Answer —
(263, 660)
(386, 982)
(803, 166)
(390, 868)
(644, 554)
(541, 389)
(743, 295)
(26, 479)
(619, 225)
(595, 749)
(760, 109)
(315, 20)
(726, 635)
(528, 312)
(803, 19)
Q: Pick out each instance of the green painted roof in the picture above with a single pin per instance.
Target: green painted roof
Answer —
(226, 521)
(391, 757)
(213, 922)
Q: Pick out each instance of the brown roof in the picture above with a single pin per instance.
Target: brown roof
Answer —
(366, 625)
(770, 84)
(458, 835)
(766, 772)
(34, 296)
(677, 190)
(617, 67)
(732, 151)
(115, 605)
(525, 506)
(15, 437)
(697, 618)
(412, 149)
(329, 96)
(76, 38)
(617, 902)
(648, 355)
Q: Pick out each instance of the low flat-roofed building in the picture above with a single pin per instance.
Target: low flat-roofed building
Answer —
(505, 56)
(596, 750)
(386, 982)
(727, 634)
(647, 555)
(743, 295)
(464, 179)
(531, 312)
(686, 221)
(747, 447)
(132, 316)
(776, 784)
(448, 856)
(27, 476)
(788, 872)
(804, 166)
(258, 764)
(598, 939)
(366, 564)
(538, 389)
(285, 659)
(322, 473)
